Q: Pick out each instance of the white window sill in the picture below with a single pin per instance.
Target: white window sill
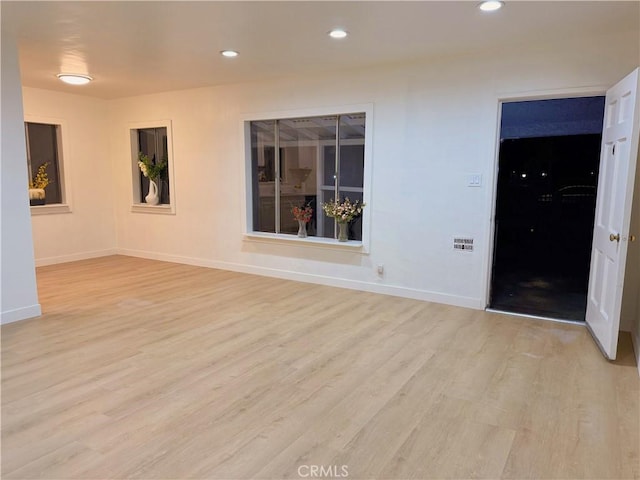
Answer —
(165, 209)
(51, 209)
(318, 242)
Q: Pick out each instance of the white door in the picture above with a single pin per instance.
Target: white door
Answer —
(618, 159)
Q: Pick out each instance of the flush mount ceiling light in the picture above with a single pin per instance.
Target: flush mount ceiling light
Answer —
(74, 78)
(338, 33)
(229, 53)
(491, 5)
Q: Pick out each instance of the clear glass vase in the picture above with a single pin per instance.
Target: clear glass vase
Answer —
(302, 229)
(343, 231)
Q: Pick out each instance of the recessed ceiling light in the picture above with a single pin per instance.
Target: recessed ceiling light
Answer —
(338, 33)
(74, 78)
(229, 53)
(491, 5)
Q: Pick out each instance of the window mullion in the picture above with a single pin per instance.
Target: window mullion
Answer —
(337, 173)
(29, 166)
(157, 138)
(276, 157)
(158, 141)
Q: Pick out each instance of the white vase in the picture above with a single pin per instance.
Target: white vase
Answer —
(36, 196)
(153, 197)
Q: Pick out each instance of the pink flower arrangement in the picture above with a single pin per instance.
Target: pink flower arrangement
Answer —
(303, 214)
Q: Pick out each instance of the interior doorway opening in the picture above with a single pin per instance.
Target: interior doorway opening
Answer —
(547, 181)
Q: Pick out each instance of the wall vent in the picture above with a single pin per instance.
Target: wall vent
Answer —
(460, 243)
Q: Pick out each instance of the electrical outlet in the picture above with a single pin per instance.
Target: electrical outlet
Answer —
(380, 269)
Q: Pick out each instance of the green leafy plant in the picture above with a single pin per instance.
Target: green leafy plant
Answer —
(150, 168)
(41, 179)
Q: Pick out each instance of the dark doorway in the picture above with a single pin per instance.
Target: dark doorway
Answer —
(547, 180)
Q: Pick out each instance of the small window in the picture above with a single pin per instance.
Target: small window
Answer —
(151, 144)
(44, 156)
(307, 161)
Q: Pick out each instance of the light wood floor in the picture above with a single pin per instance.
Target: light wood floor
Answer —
(145, 369)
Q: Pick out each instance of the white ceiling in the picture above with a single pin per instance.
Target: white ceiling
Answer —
(133, 48)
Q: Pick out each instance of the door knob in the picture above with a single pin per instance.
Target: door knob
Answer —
(614, 238)
(632, 238)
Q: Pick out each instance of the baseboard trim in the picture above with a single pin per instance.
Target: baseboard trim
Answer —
(396, 291)
(18, 314)
(635, 340)
(41, 262)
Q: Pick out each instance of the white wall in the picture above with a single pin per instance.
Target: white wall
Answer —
(630, 313)
(89, 229)
(19, 295)
(630, 316)
(434, 123)
(635, 331)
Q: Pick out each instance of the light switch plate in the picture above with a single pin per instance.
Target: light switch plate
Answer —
(474, 180)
